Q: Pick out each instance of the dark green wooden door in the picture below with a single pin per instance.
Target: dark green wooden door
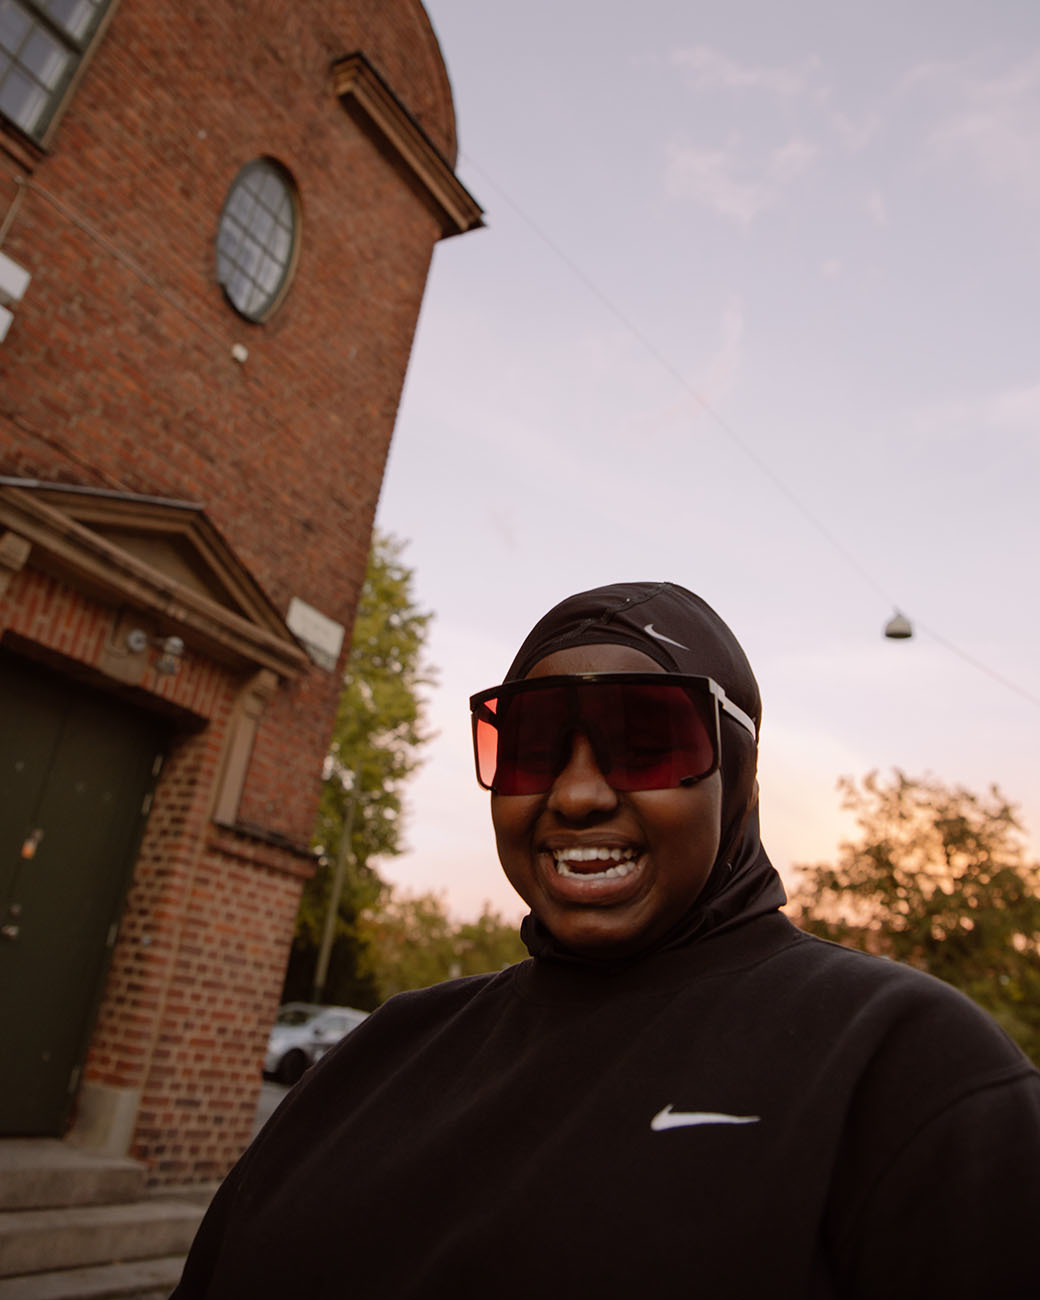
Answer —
(76, 771)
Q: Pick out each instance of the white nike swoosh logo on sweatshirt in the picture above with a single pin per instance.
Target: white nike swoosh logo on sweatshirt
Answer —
(669, 1118)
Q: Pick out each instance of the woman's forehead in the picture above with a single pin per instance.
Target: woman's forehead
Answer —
(601, 658)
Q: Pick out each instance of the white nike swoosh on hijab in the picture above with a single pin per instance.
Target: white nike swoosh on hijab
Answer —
(660, 636)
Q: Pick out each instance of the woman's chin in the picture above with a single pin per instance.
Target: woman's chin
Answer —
(598, 932)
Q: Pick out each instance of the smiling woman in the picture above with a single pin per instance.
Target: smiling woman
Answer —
(679, 1093)
(608, 856)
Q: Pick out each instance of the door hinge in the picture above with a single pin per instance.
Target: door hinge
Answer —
(157, 765)
(113, 930)
(146, 804)
(74, 1078)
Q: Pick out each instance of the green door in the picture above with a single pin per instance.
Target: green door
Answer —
(76, 772)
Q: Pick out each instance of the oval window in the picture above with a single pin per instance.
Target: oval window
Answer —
(257, 238)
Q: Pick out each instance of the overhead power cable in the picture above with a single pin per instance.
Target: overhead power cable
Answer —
(980, 666)
(764, 468)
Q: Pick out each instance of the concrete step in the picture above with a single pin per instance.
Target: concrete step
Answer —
(42, 1241)
(36, 1173)
(147, 1279)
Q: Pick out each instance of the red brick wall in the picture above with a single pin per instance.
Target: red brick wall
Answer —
(65, 623)
(220, 997)
(117, 373)
(130, 1019)
(123, 377)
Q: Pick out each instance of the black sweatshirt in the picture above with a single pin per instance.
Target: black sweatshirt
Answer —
(758, 1114)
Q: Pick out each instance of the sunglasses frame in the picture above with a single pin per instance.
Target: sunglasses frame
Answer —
(702, 685)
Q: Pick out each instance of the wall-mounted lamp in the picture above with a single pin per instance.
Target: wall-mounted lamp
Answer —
(170, 649)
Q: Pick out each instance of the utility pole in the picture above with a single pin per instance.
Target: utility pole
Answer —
(322, 969)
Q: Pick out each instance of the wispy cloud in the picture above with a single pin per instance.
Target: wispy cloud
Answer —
(1014, 410)
(733, 184)
(992, 123)
(730, 179)
(710, 176)
(877, 208)
(719, 375)
(706, 69)
(789, 162)
(710, 69)
(855, 134)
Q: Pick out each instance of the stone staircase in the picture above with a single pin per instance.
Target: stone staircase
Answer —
(76, 1226)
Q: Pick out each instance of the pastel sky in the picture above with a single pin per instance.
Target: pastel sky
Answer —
(756, 311)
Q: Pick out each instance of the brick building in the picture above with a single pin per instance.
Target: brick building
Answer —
(226, 210)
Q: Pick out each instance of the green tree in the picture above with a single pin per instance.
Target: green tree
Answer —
(379, 731)
(412, 942)
(937, 878)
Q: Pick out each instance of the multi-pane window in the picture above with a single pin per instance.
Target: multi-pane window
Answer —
(256, 238)
(41, 43)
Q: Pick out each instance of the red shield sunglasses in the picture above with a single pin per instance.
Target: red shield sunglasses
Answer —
(648, 731)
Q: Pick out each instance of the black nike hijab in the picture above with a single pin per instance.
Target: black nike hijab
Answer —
(683, 634)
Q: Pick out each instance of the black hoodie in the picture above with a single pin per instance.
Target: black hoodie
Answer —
(740, 1111)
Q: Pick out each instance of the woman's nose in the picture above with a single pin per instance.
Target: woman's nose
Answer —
(581, 789)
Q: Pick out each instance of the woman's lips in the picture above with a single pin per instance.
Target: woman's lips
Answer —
(601, 874)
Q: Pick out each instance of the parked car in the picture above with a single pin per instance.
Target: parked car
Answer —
(302, 1033)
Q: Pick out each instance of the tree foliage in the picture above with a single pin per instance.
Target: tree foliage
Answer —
(937, 878)
(375, 746)
(385, 941)
(412, 942)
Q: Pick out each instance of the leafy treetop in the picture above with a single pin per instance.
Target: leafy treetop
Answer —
(937, 878)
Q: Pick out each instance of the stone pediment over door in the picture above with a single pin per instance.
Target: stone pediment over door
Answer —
(163, 558)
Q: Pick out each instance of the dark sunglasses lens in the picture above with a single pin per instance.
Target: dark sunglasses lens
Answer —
(653, 737)
(645, 736)
(531, 730)
(485, 742)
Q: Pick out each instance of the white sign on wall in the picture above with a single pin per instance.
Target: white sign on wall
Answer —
(321, 635)
(14, 280)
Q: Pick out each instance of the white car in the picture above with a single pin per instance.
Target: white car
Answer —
(302, 1034)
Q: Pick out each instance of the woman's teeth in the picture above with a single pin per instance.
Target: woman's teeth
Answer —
(622, 862)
